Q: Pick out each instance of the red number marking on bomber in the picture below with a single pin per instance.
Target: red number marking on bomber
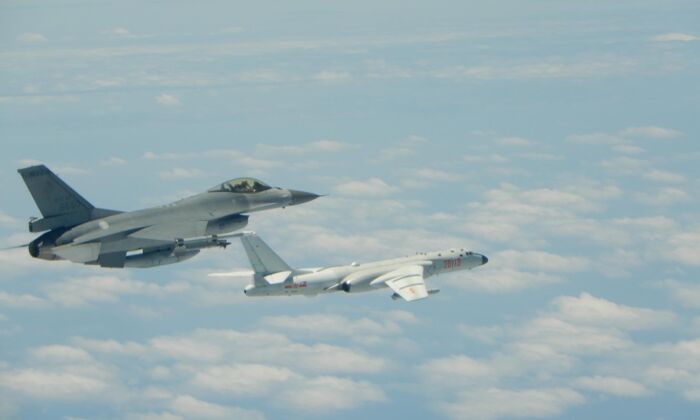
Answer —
(452, 263)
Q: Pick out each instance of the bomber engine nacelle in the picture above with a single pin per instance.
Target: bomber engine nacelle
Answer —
(355, 287)
(360, 282)
(227, 224)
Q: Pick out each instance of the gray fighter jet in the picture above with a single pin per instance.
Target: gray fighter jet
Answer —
(77, 231)
(405, 276)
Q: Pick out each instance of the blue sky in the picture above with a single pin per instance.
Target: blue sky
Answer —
(558, 138)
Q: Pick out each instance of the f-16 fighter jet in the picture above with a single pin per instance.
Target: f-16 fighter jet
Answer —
(77, 231)
(404, 276)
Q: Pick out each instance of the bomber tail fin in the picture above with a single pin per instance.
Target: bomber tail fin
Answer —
(262, 258)
(60, 205)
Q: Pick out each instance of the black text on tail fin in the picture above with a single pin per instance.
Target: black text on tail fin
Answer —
(60, 205)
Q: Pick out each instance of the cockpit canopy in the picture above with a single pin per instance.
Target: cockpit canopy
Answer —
(242, 185)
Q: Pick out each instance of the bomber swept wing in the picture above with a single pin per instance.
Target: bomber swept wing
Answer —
(407, 282)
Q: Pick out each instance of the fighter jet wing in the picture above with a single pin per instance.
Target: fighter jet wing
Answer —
(172, 231)
(407, 282)
(162, 232)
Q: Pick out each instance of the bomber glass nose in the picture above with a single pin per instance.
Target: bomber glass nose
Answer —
(484, 260)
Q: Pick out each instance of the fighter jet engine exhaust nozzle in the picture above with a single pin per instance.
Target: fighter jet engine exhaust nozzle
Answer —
(41, 246)
(33, 249)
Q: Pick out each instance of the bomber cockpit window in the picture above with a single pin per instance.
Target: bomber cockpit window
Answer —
(242, 185)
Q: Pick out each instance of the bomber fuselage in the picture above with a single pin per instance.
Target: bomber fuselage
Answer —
(363, 277)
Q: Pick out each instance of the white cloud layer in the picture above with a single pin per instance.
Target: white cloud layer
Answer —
(104, 289)
(168, 100)
(556, 348)
(219, 363)
(190, 407)
(651, 132)
(373, 187)
(612, 385)
(31, 38)
(675, 37)
(587, 309)
(495, 403)
(180, 173)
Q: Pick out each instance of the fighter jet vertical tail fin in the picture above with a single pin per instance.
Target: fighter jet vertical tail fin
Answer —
(53, 197)
(262, 258)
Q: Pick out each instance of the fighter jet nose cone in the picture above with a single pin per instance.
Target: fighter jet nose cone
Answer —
(300, 197)
(484, 260)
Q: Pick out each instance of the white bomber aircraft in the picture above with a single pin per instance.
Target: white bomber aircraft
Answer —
(405, 276)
